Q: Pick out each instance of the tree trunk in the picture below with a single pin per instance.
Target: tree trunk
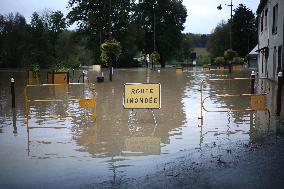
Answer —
(163, 63)
(110, 70)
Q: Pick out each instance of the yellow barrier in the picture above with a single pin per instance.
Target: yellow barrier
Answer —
(257, 100)
(57, 77)
(84, 103)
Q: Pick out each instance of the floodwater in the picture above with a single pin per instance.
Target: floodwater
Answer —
(117, 143)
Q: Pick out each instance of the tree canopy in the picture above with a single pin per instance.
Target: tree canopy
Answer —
(136, 21)
(244, 30)
(244, 33)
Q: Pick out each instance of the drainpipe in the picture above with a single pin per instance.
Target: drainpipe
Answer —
(258, 54)
(279, 93)
(282, 48)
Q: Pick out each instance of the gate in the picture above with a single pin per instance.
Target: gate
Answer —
(257, 100)
(86, 103)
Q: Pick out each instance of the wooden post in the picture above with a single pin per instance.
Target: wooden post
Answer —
(15, 121)
(13, 92)
(110, 70)
(230, 67)
(252, 82)
(83, 77)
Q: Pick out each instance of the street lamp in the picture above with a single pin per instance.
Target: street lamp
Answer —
(231, 24)
(154, 28)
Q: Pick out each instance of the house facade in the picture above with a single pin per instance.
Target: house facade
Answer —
(270, 38)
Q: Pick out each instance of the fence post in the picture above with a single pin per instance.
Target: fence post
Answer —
(279, 91)
(13, 92)
(83, 77)
(252, 82)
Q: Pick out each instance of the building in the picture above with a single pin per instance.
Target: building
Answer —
(270, 38)
(253, 58)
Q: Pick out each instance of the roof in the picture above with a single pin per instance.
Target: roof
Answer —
(254, 51)
(261, 6)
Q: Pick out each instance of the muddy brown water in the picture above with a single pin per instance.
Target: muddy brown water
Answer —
(118, 143)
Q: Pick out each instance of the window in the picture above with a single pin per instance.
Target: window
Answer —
(275, 19)
(266, 19)
(261, 22)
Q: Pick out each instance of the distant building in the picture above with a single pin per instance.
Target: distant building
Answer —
(270, 38)
(253, 58)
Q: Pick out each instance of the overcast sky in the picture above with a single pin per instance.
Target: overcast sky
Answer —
(203, 15)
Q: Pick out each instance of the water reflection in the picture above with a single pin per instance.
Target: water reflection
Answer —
(117, 139)
(116, 126)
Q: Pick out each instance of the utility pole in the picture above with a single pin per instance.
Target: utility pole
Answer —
(109, 24)
(154, 32)
(231, 25)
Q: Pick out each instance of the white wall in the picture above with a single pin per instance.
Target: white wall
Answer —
(266, 38)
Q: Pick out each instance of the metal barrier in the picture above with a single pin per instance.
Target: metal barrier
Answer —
(84, 103)
(257, 100)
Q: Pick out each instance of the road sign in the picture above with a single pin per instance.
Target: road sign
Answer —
(87, 103)
(258, 102)
(142, 96)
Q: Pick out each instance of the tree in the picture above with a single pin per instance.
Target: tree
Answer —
(229, 55)
(166, 17)
(57, 24)
(41, 48)
(244, 30)
(100, 20)
(13, 46)
(219, 40)
(110, 51)
(187, 45)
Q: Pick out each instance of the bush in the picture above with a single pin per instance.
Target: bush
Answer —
(220, 61)
(71, 64)
(201, 60)
(237, 60)
(229, 55)
(155, 57)
(110, 51)
(35, 70)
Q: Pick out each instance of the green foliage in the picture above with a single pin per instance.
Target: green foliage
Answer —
(244, 30)
(59, 68)
(244, 33)
(99, 20)
(14, 49)
(187, 45)
(201, 60)
(247, 58)
(155, 57)
(219, 40)
(219, 61)
(169, 17)
(229, 55)
(110, 51)
(238, 60)
(46, 42)
(57, 22)
(71, 63)
(35, 70)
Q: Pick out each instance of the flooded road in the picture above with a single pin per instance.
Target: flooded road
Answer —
(118, 143)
